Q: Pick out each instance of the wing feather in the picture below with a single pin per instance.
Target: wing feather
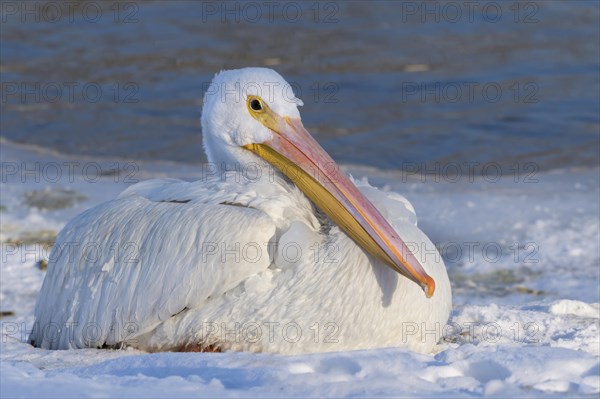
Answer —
(121, 268)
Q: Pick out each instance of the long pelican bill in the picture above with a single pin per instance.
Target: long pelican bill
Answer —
(297, 155)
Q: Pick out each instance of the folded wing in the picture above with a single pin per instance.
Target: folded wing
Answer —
(120, 269)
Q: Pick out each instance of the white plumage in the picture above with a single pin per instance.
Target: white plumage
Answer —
(234, 264)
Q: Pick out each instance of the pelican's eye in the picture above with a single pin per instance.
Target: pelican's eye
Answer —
(255, 105)
(260, 111)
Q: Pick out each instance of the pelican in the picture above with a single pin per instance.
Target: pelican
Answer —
(275, 250)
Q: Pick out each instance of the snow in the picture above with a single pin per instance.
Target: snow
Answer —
(523, 259)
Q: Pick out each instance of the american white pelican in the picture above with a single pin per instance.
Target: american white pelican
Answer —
(244, 260)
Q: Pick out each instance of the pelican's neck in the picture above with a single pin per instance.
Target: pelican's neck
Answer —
(228, 160)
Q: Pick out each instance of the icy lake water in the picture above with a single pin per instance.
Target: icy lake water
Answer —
(403, 82)
(500, 110)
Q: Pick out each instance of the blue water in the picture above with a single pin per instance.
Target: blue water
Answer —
(385, 84)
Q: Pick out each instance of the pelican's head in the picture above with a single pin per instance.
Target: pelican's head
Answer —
(234, 105)
(251, 115)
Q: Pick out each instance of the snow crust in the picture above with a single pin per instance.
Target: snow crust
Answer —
(525, 322)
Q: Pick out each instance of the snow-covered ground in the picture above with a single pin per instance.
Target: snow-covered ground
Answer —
(522, 252)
